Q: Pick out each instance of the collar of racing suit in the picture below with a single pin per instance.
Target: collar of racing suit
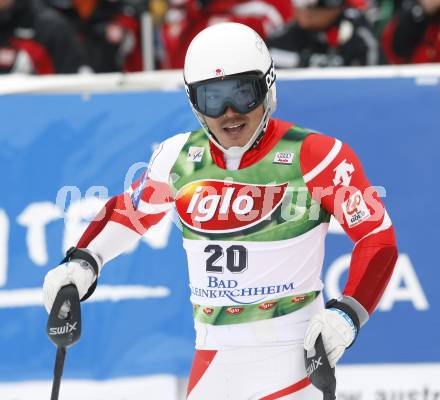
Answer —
(274, 132)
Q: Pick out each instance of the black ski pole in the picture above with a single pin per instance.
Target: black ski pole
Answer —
(319, 371)
(58, 372)
(63, 329)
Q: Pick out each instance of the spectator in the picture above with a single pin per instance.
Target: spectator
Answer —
(380, 12)
(36, 40)
(185, 18)
(324, 33)
(108, 30)
(157, 9)
(413, 35)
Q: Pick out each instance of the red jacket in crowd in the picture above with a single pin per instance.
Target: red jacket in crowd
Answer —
(186, 18)
(412, 36)
(37, 40)
(108, 30)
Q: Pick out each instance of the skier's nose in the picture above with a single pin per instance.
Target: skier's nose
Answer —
(230, 112)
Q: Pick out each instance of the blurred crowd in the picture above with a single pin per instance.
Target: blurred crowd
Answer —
(70, 36)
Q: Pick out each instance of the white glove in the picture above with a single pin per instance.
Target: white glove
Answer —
(337, 329)
(78, 272)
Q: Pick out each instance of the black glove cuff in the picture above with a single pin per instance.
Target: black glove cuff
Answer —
(77, 254)
(333, 303)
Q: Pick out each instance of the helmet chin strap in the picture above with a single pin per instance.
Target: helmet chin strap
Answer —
(237, 151)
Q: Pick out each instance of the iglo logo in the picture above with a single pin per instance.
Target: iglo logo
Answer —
(268, 305)
(221, 207)
(234, 310)
(208, 310)
(298, 299)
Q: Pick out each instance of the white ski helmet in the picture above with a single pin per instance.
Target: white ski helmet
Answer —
(230, 51)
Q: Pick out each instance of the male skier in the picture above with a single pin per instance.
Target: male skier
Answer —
(254, 195)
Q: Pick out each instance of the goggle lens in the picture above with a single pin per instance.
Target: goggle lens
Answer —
(243, 95)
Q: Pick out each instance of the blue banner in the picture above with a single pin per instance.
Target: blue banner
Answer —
(57, 152)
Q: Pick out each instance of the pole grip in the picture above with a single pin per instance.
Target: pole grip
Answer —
(319, 371)
(63, 329)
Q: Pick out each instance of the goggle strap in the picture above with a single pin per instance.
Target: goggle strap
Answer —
(270, 76)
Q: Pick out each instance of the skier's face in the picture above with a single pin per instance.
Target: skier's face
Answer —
(235, 129)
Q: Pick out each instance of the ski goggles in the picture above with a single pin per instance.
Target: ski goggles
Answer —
(242, 92)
